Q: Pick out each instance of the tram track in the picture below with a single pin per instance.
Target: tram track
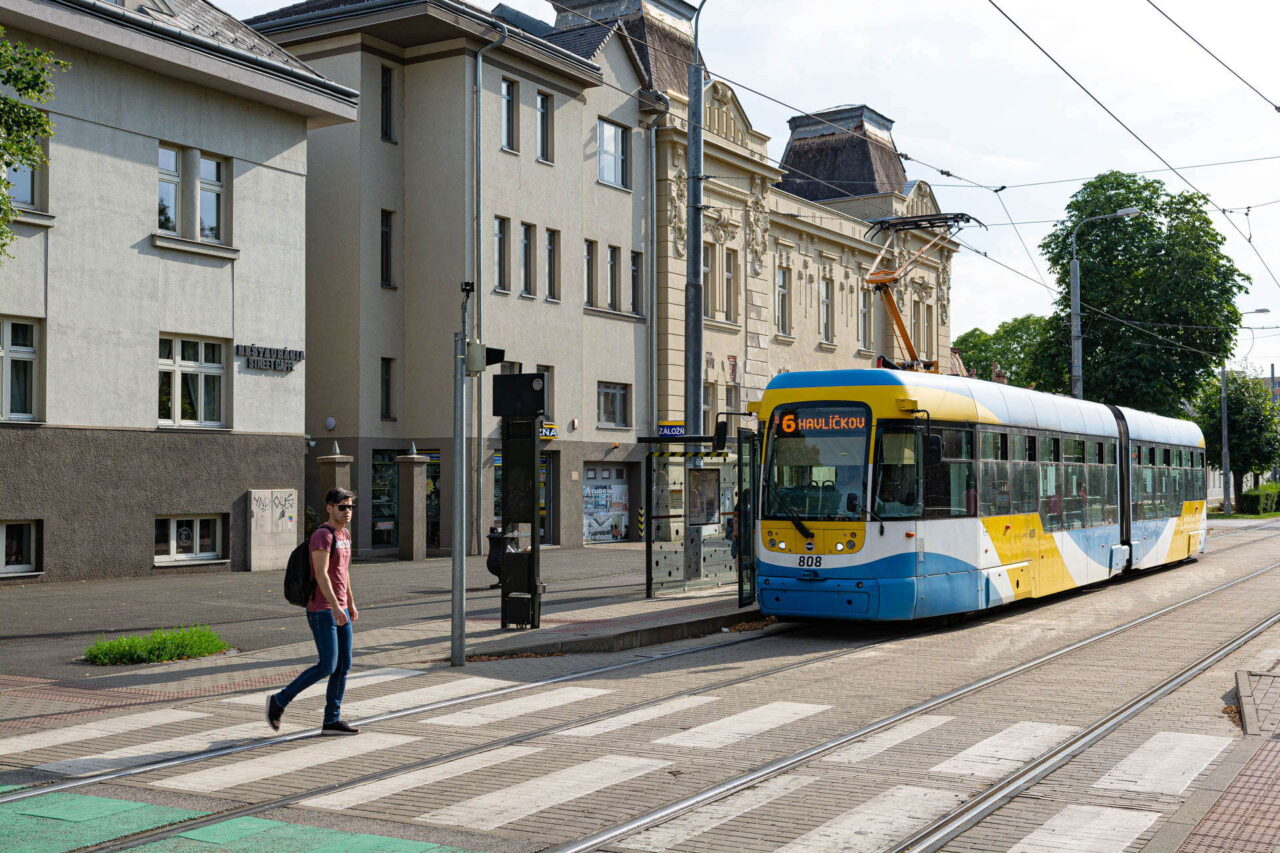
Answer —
(774, 768)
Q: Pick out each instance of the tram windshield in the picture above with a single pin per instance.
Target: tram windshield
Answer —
(817, 459)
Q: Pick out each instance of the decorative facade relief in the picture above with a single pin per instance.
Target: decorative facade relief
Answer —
(678, 203)
(721, 228)
(757, 227)
(944, 292)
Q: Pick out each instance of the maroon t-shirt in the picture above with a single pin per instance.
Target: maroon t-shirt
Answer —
(339, 567)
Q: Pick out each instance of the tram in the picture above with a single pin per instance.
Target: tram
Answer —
(893, 495)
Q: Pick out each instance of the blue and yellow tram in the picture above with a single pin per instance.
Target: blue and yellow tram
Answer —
(893, 495)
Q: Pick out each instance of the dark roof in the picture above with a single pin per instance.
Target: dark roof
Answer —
(856, 160)
(303, 8)
(516, 18)
(664, 52)
(583, 41)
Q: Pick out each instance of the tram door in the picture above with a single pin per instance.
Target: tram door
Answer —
(745, 514)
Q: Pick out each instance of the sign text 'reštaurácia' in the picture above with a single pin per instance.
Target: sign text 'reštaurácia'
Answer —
(269, 358)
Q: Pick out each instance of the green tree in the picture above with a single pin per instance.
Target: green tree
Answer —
(1011, 346)
(24, 72)
(1164, 271)
(1253, 425)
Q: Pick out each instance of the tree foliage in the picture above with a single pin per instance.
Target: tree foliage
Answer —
(25, 72)
(1253, 425)
(1011, 346)
(1165, 272)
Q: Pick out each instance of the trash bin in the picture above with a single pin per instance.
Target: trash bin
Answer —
(499, 544)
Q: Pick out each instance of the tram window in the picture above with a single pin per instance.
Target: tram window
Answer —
(995, 445)
(1151, 456)
(1031, 449)
(1096, 502)
(950, 489)
(1017, 447)
(1093, 453)
(1051, 449)
(1026, 488)
(1072, 450)
(1168, 457)
(1109, 453)
(1075, 496)
(1051, 497)
(898, 473)
(997, 493)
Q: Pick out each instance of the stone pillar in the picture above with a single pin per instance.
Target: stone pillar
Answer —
(413, 504)
(335, 473)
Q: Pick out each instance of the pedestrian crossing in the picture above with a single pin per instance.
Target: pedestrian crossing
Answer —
(1166, 764)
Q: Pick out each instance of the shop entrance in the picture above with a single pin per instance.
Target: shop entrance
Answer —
(605, 502)
(384, 499)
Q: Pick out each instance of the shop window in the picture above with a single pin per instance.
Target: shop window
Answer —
(191, 378)
(384, 500)
(189, 537)
(20, 540)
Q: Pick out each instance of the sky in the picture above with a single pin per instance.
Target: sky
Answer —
(972, 96)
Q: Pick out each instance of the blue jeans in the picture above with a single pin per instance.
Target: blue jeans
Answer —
(333, 642)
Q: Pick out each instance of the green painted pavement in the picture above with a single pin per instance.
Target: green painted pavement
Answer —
(58, 822)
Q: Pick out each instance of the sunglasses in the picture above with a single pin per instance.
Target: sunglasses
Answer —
(346, 507)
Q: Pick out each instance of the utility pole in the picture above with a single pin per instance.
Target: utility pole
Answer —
(1275, 472)
(693, 256)
(458, 598)
(1226, 453)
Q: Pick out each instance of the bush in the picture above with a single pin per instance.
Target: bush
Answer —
(1260, 501)
(194, 641)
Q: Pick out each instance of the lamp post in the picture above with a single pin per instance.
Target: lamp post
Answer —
(1226, 452)
(1077, 342)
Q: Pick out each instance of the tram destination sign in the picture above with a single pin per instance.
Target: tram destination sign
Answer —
(819, 422)
(269, 358)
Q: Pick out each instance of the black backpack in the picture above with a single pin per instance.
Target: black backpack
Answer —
(299, 580)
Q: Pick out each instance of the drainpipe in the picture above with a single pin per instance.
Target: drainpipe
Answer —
(477, 269)
(652, 128)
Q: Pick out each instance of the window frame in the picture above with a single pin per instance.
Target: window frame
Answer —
(589, 252)
(502, 254)
(28, 177)
(621, 393)
(615, 278)
(386, 250)
(528, 264)
(11, 354)
(637, 283)
(196, 556)
(782, 301)
(827, 312)
(552, 248)
(548, 374)
(620, 175)
(509, 129)
(730, 308)
(387, 103)
(546, 127)
(32, 567)
(864, 317)
(217, 189)
(386, 388)
(173, 178)
(708, 280)
(177, 367)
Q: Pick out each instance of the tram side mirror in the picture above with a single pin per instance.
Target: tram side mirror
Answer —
(932, 450)
(721, 438)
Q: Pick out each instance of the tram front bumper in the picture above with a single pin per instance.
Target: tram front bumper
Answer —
(837, 598)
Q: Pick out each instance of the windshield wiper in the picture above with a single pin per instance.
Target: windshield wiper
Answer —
(866, 511)
(792, 515)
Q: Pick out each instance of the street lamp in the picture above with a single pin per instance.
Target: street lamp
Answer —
(1077, 342)
(1226, 453)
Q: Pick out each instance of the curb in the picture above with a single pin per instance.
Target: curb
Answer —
(622, 640)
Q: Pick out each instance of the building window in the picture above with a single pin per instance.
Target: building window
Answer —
(589, 270)
(385, 384)
(864, 317)
(615, 278)
(782, 301)
(191, 377)
(614, 155)
(170, 182)
(188, 538)
(546, 130)
(929, 333)
(637, 283)
(708, 408)
(510, 368)
(708, 279)
(613, 404)
(22, 185)
(501, 268)
(388, 103)
(548, 374)
(211, 199)
(732, 402)
(385, 249)
(510, 115)
(553, 264)
(19, 354)
(19, 539)
(917, 335)
(828, 316)
(731, 285)
(528, 271)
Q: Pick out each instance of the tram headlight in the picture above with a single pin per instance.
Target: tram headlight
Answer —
(839, 546)
(850, 544)
(782, 545)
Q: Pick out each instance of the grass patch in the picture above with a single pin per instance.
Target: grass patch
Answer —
(195, 641)
(1218, 516)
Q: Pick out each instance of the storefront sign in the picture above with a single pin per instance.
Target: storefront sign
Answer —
(670, 429)
(548, 430)
(269, 358)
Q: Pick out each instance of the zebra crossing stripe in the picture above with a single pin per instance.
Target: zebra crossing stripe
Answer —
(878, 823)
(517, 707)
(1088, 829)
(876, 744)
(277, 764)
(421, 696)
(622, 721)
(1165, 764)
(371, 791)
(366, 678)
(741, 726)
(1006, 751)
(96, 729)
(698, 821)
(490, 811)
(161, 750)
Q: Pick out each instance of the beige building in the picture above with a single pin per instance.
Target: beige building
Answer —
(163, 238)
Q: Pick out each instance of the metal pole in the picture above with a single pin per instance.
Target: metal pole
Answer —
(458, 610)
(1077, 359)
(1226, 453)
(1275, 472)
(693, 267)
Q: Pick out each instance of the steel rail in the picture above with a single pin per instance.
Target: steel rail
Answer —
(790, 762)
(946, 828)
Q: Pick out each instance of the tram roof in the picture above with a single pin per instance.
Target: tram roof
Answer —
(975, 400)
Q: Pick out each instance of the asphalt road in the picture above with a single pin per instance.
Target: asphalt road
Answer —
(45, 626)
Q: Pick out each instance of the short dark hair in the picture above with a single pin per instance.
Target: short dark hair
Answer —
(336, 496)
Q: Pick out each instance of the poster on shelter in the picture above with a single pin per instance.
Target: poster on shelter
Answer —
(703, 506)
(604, 512)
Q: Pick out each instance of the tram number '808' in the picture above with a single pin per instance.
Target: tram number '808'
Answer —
(807, 562)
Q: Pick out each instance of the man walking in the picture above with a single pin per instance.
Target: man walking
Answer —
(329, 613)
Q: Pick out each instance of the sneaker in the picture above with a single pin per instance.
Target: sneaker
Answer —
(339, 728)
(274, 713)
